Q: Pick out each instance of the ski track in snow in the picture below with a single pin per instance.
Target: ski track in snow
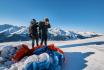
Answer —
(85, 54)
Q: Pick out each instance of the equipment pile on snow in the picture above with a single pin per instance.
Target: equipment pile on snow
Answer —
(38, 58)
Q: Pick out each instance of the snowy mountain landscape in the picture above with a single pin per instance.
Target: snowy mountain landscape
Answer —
(15, 33)
(80, 54)
(69, 35)
(83, 50)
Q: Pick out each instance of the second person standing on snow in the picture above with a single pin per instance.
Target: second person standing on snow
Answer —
(43, 30)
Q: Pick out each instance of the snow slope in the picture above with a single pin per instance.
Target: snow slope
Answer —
(81, 54)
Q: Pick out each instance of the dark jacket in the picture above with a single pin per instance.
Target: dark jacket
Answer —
(43, 29)
(33, 28)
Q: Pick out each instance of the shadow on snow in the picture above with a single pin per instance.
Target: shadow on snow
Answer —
(83, 44)
(75, 60)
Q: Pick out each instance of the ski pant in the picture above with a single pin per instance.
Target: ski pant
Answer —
(33, 43)
(34, 38)
(44, 39)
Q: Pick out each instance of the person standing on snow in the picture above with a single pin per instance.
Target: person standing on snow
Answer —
(43, 30)
(33, 31)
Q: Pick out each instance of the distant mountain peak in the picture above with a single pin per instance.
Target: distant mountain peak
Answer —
(12, 33)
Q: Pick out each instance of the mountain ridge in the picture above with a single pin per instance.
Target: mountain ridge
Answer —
(17, 33)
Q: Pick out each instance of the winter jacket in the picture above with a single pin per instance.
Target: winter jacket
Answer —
(43, 29)
(33, 28)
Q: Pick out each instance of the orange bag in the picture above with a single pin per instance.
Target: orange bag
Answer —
(22, 52)
(52, 47)
(34, 48)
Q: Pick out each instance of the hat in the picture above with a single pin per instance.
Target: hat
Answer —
(46, 19)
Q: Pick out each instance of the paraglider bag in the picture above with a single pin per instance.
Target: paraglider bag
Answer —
(23, 51)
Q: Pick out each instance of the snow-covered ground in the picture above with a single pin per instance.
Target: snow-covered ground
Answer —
(81, 54)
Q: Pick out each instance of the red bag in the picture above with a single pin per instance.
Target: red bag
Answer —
(52, 47)
(34, 48)
(22, 52)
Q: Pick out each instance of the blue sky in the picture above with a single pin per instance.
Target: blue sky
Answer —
(78, 15)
